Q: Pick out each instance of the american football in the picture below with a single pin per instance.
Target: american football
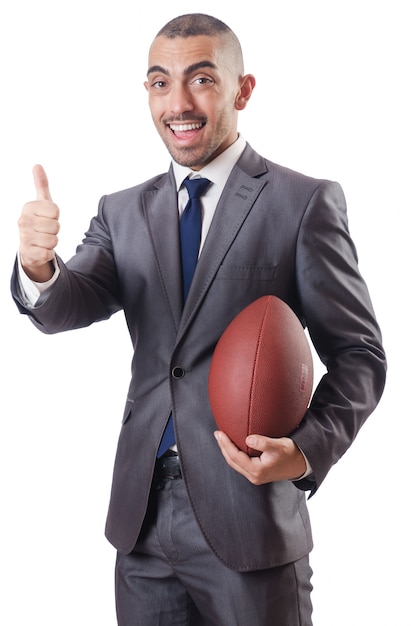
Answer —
(261, 374)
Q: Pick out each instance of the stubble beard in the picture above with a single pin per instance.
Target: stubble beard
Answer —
(192, 156)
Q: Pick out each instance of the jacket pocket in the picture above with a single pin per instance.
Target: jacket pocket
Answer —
(248, 272)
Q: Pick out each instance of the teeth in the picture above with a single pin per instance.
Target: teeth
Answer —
(182, 127)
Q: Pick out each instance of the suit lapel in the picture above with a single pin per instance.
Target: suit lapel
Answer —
(160, 210)
(235, 204)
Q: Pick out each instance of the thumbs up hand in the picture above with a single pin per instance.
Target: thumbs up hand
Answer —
(38, 228)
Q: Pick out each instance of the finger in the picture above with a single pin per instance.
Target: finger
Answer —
(41, 183)
(47, 226)
(224, 441)
(39, 215)
(259, 442)
(234, 457)
(36, 256)
(249, 467)
(35, 239)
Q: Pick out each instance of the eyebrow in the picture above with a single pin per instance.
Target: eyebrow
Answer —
(189, 70)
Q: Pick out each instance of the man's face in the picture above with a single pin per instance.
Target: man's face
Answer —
(193, 92)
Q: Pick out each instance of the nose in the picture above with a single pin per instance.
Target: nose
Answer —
(180, 99)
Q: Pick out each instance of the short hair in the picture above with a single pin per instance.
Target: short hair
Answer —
(195, 24)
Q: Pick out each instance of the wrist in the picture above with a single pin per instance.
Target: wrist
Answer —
(38, 273)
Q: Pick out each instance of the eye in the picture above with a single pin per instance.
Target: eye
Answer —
(202, 81)
(158, 84)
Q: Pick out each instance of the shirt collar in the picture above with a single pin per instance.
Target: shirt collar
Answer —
(217, 170)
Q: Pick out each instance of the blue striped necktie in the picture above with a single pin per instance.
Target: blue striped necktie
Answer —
(190, 231)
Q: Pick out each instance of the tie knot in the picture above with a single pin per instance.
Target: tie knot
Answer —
(196, 186)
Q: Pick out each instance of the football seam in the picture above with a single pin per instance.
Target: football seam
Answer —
(255, 366)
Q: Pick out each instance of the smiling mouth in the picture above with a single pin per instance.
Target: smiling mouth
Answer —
(180, 128)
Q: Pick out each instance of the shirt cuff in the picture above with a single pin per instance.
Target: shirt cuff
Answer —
(31, 290)
(308, 470)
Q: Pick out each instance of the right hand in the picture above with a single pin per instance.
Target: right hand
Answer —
(38, 228)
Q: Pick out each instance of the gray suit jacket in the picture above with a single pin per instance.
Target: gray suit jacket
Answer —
(274, 232)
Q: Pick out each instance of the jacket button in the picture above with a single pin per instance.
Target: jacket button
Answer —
(178, 372)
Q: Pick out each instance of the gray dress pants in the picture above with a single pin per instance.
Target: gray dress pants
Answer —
(172, 578)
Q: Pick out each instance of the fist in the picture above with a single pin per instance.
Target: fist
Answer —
(38, 229)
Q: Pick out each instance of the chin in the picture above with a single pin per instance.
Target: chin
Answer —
(189, 157)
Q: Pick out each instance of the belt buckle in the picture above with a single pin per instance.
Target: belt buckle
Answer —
(168, 466)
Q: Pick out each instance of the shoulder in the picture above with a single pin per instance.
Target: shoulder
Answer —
(284, 182)
(261, 167)
(117, 206)
(133, 193)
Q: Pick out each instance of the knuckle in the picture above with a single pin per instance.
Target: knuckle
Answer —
(256, 477)
(23, 221)
(255, 480)
(43, 255)
(29, 208)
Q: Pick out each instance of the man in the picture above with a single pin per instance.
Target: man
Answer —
(204, 533)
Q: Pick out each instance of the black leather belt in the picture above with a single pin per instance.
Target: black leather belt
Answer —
(168, 466)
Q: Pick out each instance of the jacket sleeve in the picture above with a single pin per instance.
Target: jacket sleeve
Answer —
(341, 322)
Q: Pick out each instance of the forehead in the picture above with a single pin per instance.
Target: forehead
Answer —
(177, 54)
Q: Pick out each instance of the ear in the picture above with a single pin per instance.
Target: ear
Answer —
(246, 87)
(146, 85)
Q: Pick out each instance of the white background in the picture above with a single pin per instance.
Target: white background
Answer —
(334, 99)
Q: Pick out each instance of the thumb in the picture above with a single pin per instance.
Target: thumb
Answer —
(41, 183)
(258, 442)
